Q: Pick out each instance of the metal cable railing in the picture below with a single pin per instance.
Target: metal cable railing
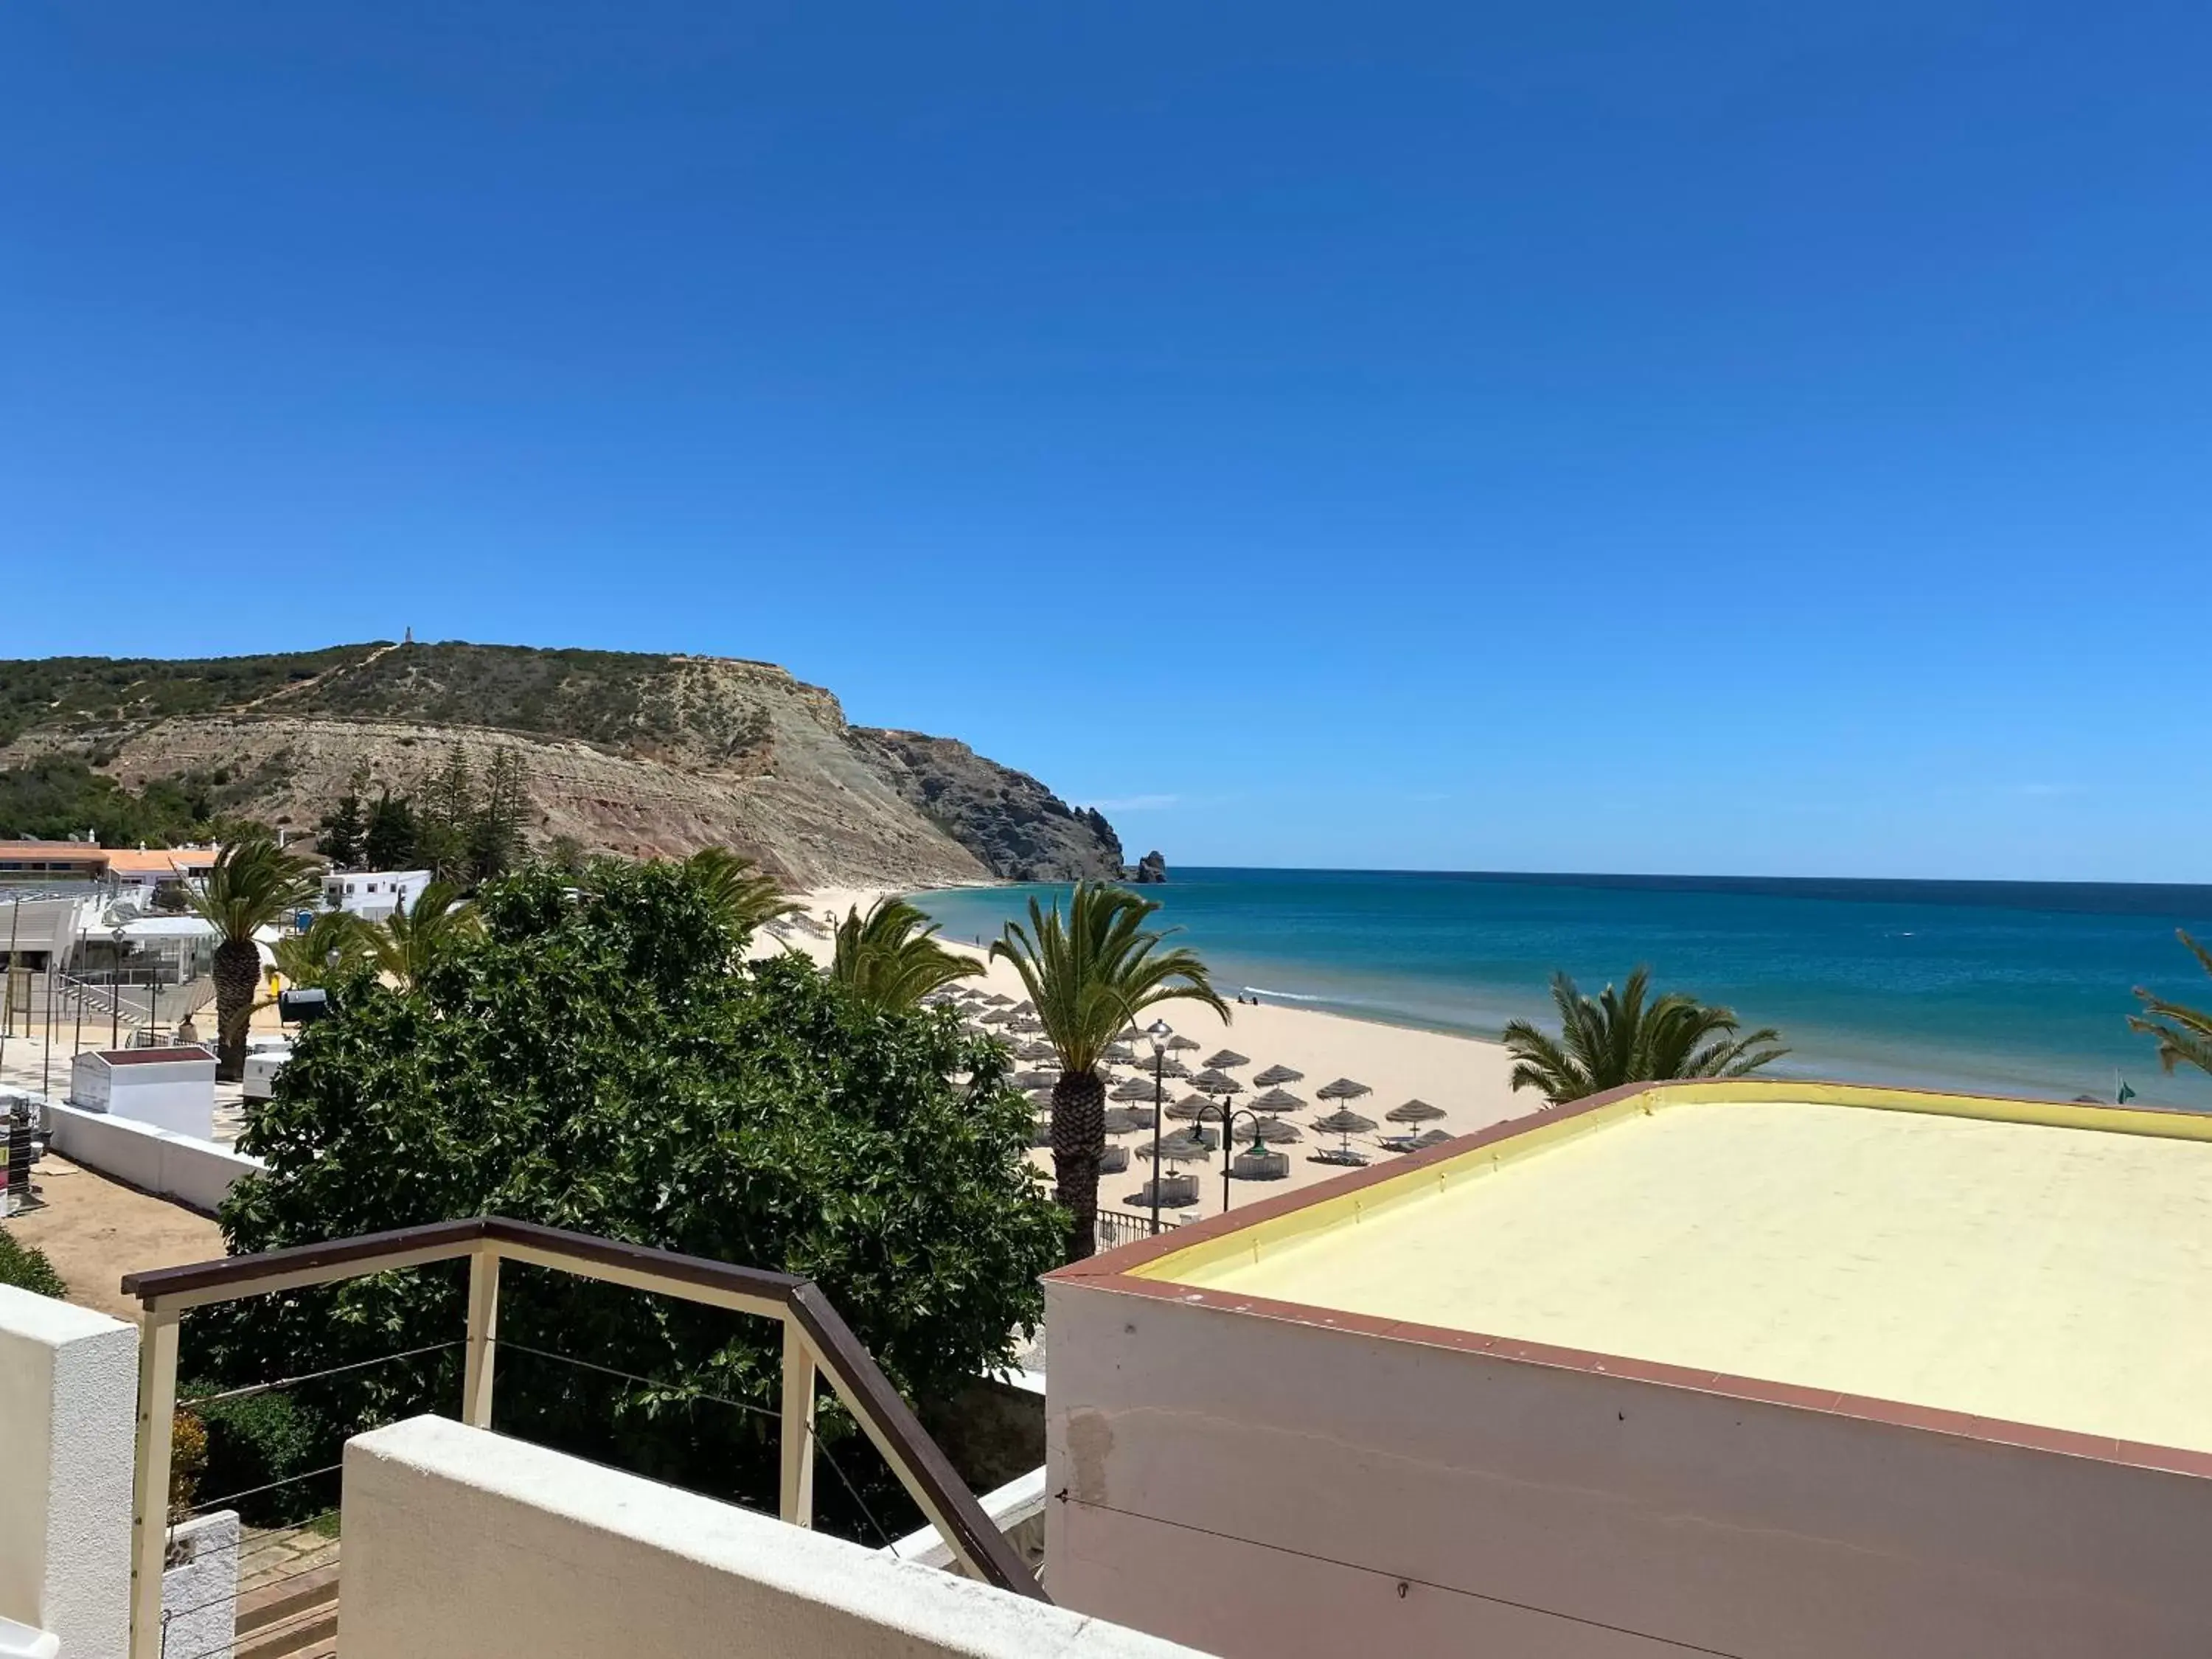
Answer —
(817, 1345)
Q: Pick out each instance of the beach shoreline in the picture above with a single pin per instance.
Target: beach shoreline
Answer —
(1468, 1077)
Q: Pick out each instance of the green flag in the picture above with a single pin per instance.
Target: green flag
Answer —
(2123, 1095)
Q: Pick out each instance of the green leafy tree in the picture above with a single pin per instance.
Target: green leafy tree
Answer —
(2183, 1033)
(254, 884)
(1089, 975)
(410, 941)
(746, 900)
(612, 1063)
(890, 958)
(1628, 1036)
(390, 841)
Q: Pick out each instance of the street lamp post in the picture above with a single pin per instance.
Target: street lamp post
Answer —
(1159, 1033)
(1228, 1116)
(115, 990)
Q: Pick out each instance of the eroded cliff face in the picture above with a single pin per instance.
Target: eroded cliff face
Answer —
(1013, 823)
(639, 755)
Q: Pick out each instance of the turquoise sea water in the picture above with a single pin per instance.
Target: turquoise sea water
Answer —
(2015, 986)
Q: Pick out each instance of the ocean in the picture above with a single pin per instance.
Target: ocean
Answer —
(2005, 987)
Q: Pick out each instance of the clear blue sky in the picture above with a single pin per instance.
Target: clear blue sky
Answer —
(1643, 436)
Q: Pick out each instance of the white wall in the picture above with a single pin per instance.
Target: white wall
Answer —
(68, 1405)
(196, 1172)
(1269, 1487)
(460, 1542)
(199, 1590)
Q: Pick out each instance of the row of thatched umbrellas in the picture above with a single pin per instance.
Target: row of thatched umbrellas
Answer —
(1211, 1087)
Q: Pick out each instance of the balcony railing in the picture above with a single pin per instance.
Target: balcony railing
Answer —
(817, 1343)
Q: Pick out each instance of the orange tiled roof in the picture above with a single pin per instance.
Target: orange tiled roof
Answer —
(159, 860)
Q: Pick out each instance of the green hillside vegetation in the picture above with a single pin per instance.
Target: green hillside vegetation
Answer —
(614, 699)
(74, 694)
(57, 796)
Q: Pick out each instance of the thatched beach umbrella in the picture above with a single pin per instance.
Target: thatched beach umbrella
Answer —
(1193, 1143)
(1174, 1068)
(1135, 1087)
(1275, 1074)
(1217, 1083)
(1431, 1138)
(1414, 1111)
(1121, 1120)
(1276, 1133)
(1120, 1053)
(1279, 1100)
(1181, 1045)
(1191, 1105)
(1227, 1057)
(1036, 1079)
(999, 1000)
(1039, 1052)
(998, 1017)
(1344, 1123)
(1344, 1089)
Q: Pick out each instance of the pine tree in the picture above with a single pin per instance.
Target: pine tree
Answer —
(445, 822)
(495, 841)
(390, 844)
(339, 835)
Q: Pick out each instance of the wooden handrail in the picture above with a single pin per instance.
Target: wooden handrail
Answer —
(816, 1334)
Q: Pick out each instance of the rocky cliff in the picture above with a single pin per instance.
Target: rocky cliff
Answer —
(1013, 823)
(627, 753)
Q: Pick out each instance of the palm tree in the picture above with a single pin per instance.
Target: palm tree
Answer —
(1620, 1037)
(1088, 977)
(747, 900)
(410, 940)
(307, 958)
(254, 884)
(2183, 1033)
(890, 959)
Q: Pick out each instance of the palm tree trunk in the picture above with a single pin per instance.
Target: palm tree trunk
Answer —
(1078, 1143)
(237, 978)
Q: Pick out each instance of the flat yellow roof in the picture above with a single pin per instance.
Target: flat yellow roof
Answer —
(2032, 1263)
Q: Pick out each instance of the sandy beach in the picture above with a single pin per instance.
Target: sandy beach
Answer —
(1466, 1077)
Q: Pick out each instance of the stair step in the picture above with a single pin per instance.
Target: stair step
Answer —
(259, 1609)
(313, 1633)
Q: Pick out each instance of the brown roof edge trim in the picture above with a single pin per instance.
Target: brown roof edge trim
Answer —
(840, 1350)
(152, 1283)
(1113, 1263)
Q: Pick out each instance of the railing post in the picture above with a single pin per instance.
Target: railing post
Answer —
(796, 1495)
(149, 1506)
(483, 1335)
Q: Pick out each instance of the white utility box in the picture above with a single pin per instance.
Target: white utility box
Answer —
(172, 1089)
(262, 1066)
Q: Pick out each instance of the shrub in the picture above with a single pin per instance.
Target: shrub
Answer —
(26, 1268)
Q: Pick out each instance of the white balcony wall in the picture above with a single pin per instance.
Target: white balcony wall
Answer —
(458, 1542)
(68, 1405)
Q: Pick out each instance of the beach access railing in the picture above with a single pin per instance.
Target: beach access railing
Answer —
(816, 1344)
(1115, 1228)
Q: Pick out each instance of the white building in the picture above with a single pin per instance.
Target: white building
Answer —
(372, 895)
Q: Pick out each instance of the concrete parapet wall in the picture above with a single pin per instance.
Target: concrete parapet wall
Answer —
(68, 1406)
(1269, 1487)
(196, 1172)
(459, 1542)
